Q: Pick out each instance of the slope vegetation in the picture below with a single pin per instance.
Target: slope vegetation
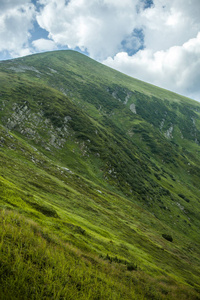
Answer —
(99, 183)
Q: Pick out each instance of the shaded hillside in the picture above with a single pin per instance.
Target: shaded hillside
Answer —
(107, 163)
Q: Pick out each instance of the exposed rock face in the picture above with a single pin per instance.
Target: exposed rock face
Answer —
(38, 128)
(169, 132)
(133, 108)
(23, 68)
(128, 96)
(120, 94)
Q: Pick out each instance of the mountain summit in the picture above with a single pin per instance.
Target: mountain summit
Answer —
(100, 183)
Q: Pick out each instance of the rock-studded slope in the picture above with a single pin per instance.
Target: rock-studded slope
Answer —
(86, 135)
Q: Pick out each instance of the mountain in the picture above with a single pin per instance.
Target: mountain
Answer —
(99, 181)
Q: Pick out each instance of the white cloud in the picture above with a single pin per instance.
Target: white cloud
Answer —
(15, 22)
(177, 68)
(44, 45)
(170, 22)
(8, 4)
(98, 26)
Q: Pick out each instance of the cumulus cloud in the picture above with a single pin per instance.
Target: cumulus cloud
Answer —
(169, 23)
(8, 4)
(44, 45)
(15, 23)
(177, 68)
(98, 27)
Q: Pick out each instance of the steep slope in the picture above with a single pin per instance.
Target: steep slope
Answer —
(107, 163)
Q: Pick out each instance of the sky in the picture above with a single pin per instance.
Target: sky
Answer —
(157, 41)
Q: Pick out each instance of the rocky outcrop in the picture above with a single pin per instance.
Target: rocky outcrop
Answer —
(37, 127)
(133, 108)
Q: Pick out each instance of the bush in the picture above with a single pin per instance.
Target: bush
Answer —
(168, 237)
(157, 176)
(184, 198)
(131, 267)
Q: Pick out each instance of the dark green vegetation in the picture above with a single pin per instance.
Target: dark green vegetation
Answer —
(99, 184)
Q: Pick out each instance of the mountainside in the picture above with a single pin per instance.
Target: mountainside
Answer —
(99, 183)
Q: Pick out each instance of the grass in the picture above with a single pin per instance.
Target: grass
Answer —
(38, 265)
(89, 190)
(95, 221)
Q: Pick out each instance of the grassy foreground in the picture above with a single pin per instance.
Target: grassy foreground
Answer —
(37, 265)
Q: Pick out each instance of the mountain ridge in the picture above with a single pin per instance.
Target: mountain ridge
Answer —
(95, 146)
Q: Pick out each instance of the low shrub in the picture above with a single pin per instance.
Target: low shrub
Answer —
(168, 237)
(131, 267)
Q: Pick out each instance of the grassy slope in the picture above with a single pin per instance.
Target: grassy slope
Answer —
(105, 209)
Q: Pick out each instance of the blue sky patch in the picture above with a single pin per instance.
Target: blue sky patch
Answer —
(147, 3)
(38, 33)
(134, 42)
(144, 4)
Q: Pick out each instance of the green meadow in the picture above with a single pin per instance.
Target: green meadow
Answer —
(99, 183)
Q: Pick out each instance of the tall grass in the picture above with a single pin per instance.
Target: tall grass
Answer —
(37, 265)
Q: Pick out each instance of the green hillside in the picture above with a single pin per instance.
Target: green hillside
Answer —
(99, 183)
